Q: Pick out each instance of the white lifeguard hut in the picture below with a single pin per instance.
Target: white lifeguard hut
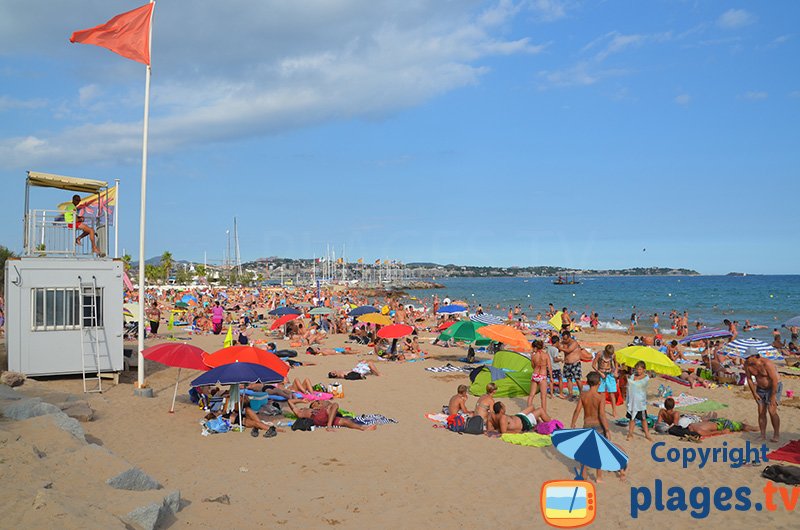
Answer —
(64, 311)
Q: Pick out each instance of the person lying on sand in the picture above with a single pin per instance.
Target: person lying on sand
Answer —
(360, 371)
(326, 414)
(720, 426)
(523, 421)
(458, 403)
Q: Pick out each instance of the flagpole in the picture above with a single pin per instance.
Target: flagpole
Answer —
(116, 218)
(142, 211)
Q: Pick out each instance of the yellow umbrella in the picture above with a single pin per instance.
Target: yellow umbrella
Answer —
(511, 337)
(653, 359)
(375, 318)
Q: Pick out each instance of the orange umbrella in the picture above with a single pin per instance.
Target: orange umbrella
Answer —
(511, 337)
(283, 320)
(246, 354)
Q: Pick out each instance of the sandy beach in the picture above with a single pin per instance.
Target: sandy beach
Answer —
(404, 475)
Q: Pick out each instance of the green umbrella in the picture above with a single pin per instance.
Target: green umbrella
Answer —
(464, 331)
(182, 305)
(321, 311)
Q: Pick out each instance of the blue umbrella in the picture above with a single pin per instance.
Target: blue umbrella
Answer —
(486, 318)
(187, 298)
(237, 373)
(362, 310)
(589, 448)
(280, 311)
(706, 333)
(794, 321)
(452, 308)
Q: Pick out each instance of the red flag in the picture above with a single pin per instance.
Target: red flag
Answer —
(127, 34)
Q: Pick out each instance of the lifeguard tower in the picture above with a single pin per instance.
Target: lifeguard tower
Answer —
(64, 311)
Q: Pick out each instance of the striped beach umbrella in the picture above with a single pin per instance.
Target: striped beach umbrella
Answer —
(705, 333)
(744, 347)
(589, 448)
(486, 318)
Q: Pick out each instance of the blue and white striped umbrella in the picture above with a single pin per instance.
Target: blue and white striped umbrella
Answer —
(742, 348)
(705, 333)
(452, 308)
(486, 318)
(589, 448)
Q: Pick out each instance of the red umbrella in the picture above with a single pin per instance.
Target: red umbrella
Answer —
(444, 325)
(394, 331)
(283, 320)
(178, 356)
(246, 354)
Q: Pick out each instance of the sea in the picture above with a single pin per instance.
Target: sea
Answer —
(763, 300)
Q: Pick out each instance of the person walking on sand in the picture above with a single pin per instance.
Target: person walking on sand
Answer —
(542, 369)
(766, 387)
(605, 365)
(593, 404)
(637, 400)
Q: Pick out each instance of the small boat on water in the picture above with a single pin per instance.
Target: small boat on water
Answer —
(566, 280)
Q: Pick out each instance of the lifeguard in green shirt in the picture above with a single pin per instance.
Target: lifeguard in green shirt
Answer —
(76, 221)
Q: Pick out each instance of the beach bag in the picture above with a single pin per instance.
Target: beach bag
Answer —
(456, 423)
(474, 425)
(785, 474)
(218, 425)
(549, 427)
(302, 424)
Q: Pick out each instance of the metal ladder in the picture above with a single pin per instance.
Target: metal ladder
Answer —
(90, 335)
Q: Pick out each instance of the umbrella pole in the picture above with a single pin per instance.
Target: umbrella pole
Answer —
(579, 474)
(175, 394)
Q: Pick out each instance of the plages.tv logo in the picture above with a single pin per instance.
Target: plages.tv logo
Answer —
(568, 503)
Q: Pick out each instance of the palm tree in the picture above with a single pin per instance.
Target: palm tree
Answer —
(126, 261)
(5, 253)
(166, 264)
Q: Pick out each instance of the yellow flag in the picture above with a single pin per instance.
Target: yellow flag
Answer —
(228, 338)
(171, 321)
(361, 260)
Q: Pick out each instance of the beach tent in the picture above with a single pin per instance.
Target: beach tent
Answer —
(510, 371)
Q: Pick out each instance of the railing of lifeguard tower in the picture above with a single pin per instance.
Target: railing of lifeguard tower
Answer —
(47, 233)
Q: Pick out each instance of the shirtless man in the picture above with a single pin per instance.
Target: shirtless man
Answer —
(731, 328)
(605, 365)
(520, 422)
(566, 322)
(324, 414)
(542, 369)
(766, 390)
(485, 403)
(593, 404)
(458, 403)
(572, 360)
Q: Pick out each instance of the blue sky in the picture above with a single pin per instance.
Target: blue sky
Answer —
(538, 132)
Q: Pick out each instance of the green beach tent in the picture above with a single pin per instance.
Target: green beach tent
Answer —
(510, 371)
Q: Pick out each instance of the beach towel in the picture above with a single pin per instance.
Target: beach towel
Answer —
(318, 396)
(373, 419)
(528, 439)
(678, 380)
(447, 368)
(480, 361)
(708, 405)
(623, 422)
(438, 418)
(682, 400)
(788, 453)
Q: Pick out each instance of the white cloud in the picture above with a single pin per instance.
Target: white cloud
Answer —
(8, 103)
(549, 10)
(683, 99)
(582, 74)
(754, 95)
(735, 19)
(254, 68)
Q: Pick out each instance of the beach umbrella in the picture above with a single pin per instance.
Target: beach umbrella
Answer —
(741, 348)
(246, 354)
(705, 333)
(177, 356)
(394, 331)
(182, 305)
(362, 310)
(235, 374)
(486, 318)
(444, 325)
(589, 448)
(511, 337)
(653, 359)
(280, 321)
(450, 309)
(794, 321)
(375, 318)
(188, 298)
(464, 330)
(321, 311)
(127, 314)
(280, 311)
